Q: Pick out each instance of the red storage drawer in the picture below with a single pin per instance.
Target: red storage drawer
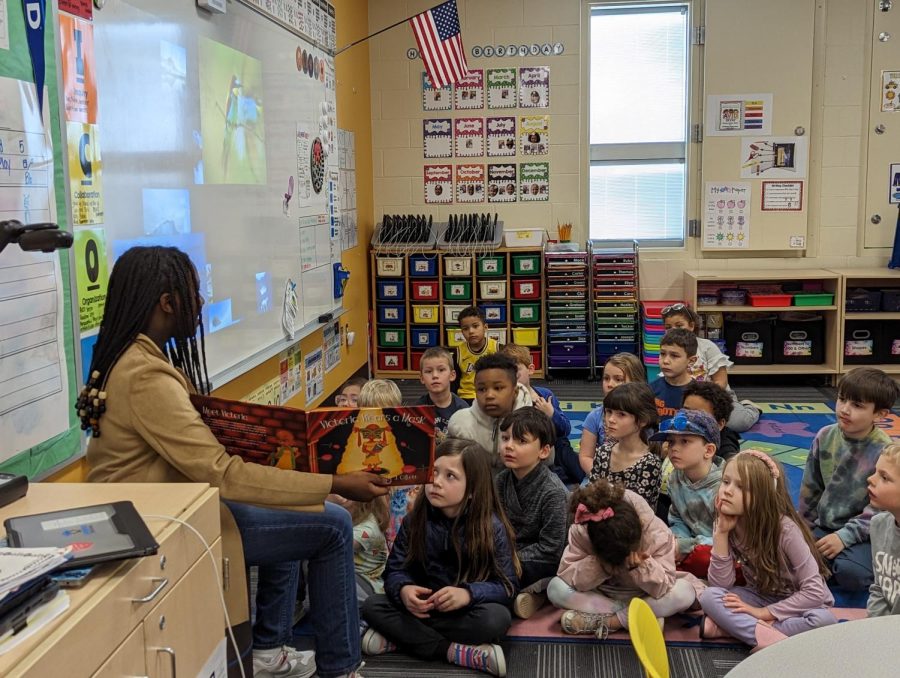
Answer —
(526, 289)
(415, 360)
(771, 299)
(537, 359)
(391, 360)
(425, 290)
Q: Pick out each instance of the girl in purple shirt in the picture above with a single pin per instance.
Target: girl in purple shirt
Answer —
(758, 526)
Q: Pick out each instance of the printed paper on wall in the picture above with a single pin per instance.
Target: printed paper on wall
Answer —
(534, 134)
(738, 114)
(469, 183)
(534, 87)
(726, 216)
(435, 99)
(502, 183)
(534, 181)
(501, 136)
(438, 184)
(468, 137)
(502, 90)
(469, 92)
(438, 137)
(773, 157)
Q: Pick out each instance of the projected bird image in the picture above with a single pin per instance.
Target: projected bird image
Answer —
(231, 116)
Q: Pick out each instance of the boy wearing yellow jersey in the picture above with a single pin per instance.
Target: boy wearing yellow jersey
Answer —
(474, 330)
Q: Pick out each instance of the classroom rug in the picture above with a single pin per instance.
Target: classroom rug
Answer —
(568, 660)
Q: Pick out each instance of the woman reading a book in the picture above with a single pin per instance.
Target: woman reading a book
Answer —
(146, 363)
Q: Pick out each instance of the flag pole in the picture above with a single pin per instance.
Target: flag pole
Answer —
(352, 44)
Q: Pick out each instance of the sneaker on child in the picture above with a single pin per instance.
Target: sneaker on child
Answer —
(585, 623)
(284, 662)
(486, 658)
(373, 643)
(527, 603)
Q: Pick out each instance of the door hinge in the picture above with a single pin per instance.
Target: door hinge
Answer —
(694, 228)
(699, 35)
(696, 133)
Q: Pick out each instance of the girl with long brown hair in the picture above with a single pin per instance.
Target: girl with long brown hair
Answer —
(453, 572)
(757, 524)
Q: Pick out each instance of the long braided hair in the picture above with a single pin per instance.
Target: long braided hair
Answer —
(139, 278)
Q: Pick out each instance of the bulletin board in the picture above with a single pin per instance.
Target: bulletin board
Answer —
(39, 429)
(216, 133)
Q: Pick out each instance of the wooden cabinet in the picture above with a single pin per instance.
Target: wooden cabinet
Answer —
(105, 631)
(416, 298)
(869, 338)
(830, 283)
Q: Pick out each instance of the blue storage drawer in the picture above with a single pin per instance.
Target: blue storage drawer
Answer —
(568, 349)
(422, 267)
(424, 337)
(607, 348)
(391, 314)
(389, 290)
(579, 361)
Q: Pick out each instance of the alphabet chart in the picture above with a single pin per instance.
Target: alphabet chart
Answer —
(34, 390)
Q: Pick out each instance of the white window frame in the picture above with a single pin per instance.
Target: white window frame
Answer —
(650, 152)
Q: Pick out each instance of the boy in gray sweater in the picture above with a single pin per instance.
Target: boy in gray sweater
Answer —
(884, 533)
(534, 499)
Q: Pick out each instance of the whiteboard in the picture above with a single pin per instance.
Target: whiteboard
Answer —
(217, 135)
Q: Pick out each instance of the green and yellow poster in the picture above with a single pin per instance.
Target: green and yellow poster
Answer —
(85, 174)
(92, 275)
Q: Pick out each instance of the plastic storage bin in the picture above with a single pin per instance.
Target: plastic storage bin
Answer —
(890, 342)
(424, 337)
(425, 315)
(457, 266)
(415, 360)
(420, 266)
(391, 360)
(861, 300)
(391, 336)
(749, 340)
(389, 290)
(494, 313)
(455, 338)
(890, 300)
(862, 342)
(498, 335)
(526, 289)
(769, 300)
(526, 264)
(494, 265)
(451, 313)
(389, 266)
(523, 237)
(813, 299)
(425, 291)
(526, 336)
(458, 290)
(732, 297)
(526, 313)
(492, 289)
(391, 314)
(799, 341)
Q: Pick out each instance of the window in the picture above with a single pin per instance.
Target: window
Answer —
(638, 122)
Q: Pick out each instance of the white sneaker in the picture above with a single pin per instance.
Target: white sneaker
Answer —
(284, 662)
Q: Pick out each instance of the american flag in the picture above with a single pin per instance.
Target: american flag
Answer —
(440, 44)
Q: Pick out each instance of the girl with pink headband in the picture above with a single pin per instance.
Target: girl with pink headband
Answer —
(618, 550)
(757, 524)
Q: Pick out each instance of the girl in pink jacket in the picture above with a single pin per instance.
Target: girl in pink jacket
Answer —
(618, 550)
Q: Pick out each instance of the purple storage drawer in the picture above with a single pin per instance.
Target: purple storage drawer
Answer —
(569, 361)
(568, 349)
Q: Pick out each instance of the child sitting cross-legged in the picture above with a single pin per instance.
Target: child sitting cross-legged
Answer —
(757, 524)
(884, 494)
(453, 571)
(535, 502)
(692, 437)
(618, 550)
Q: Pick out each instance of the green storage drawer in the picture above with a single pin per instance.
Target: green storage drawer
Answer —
(391, 336)
(526, 264)
(526, 313)
(458, 290)
(814, 299)
(494, 265)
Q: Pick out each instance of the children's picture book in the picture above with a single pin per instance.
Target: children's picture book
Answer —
(395, 442)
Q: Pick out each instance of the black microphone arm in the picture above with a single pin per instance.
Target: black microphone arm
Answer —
(45, 237)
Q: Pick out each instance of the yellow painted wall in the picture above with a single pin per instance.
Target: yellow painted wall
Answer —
(354, 114)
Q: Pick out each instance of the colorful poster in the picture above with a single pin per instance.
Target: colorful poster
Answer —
(76, 42)
(331, 340)
(438, 137)
(534, 134)
(534, 181)
(501, 86)
(501, 183)
(726, 221)
(468, 136)
(82, 8)
(534, 87)
(737, 114)
(438, 184)
(501, 136)
(91, 275)
(782, 196)
(773, 157)
(890, 94)
(469, 92)
(289, 373)
(435, 99)
(85, 174)
(470, 183)
(314, 375)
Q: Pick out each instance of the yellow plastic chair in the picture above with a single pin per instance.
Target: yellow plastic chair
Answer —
(647, 639)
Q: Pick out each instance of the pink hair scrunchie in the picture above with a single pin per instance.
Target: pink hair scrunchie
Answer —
(584, 515)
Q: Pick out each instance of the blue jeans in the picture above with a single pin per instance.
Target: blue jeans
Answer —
(852, 569)
(276, 541)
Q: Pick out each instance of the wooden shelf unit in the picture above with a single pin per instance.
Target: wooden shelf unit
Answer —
(462, 278)
(832, 313)
(852, 278)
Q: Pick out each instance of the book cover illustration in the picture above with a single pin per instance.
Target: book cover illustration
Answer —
(395, 442)
(264, 434)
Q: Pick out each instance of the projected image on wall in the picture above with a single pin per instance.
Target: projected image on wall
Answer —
(231, 116)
